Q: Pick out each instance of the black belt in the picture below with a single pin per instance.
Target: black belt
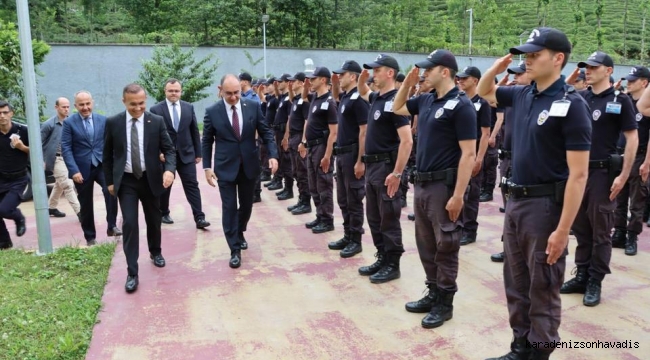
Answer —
(338, 150)
(312, 143)
(599, 164)
(375, 158)
(446, 174)
(13, 175)
(505, 154)
(532, 191)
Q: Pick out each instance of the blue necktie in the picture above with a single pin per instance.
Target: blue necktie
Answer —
(175, 116)
(89, 129)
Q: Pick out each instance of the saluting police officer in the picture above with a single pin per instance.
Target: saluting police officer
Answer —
(467, 81)
(388, 145)
(489, 169)
(551, 137)
(350, 146)
(612, 113)
(581, 81)
(319, 136)
(271, 102)
(626, 233)
(292, 138)
(444, 162)
(280, 127)
(14, 157)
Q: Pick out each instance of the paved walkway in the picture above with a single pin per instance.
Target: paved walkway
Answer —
(295, 299)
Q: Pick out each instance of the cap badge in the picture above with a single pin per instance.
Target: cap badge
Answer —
(543, 116)
(433, 53)
(632, 70)
(533, 35)
(379, 57)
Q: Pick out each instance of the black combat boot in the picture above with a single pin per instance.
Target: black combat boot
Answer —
(425, 304)
(592, 294)
(486, 195)
(618, 238)
(498, 257)
(296, 205)
(323, 227)
(275, 184)
(630, 244)
(353, 247)
(468, 238)
(374, 267)
(519, 350)
(304, 208)
(577, 285)
(341, 243)
(390, 270)
(312, 224)
(288, 194)
(441, 311)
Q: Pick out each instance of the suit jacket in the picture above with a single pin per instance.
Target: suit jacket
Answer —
(77, 149)
(156, 141)
(51, 137)
(229, 151)
(186, 139)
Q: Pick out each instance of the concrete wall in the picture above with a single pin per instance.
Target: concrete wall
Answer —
(105, 69)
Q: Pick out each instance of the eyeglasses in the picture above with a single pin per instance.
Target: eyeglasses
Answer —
(231, 93)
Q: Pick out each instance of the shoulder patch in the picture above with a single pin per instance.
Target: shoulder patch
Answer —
(639, 116)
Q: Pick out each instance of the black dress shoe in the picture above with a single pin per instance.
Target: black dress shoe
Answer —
(56, 213)
(115, 231)
(276, 186)
(322, 228)
(202, 224)
(20, 227)
(158, 260)
(498, 257)
(242, 242)
(166, 219)
(91, 242)
(235, 259)
(6, 245)
(467, 239)
(131, 284)
(411, 216)
(312, 224)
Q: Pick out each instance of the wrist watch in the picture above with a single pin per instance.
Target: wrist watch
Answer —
(397, 175)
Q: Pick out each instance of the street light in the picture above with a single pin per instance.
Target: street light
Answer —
(521, 36)
(471, 27)
(265, 19)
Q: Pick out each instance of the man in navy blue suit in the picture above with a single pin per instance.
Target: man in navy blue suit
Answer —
(230, 124)
(82, 146)
(180, 121)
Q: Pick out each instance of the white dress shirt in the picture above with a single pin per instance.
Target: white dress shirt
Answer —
(140, 126)
(171, 110)
(239, 114)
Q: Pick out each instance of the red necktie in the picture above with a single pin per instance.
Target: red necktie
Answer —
(235, 121)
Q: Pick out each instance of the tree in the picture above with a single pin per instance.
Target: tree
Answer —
(172, 62)
(11, 75)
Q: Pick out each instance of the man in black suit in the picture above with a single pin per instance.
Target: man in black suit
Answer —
(184, 132)
(134, 139)
(230, 124)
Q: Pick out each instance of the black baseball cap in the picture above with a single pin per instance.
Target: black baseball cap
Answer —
(544, 38)
(349, 66)
(400, 77)
(596, 59)
(383, 60)
(320, 71)
(270, 80)
(439, 58)
(300, 76)
(245, 76)
(472, 71)
(582, 75)
(517, 69)
(637, 72)
(284, 77)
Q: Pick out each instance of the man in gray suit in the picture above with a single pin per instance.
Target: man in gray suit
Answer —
(51, 137)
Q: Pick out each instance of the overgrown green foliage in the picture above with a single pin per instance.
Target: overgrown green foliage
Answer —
(615, 26)
(50, 303)
(11, 76)
(172, 62)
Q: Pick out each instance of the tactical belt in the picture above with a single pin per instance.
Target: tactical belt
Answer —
(532, 191)
(505, 154)
(13, 175)
(419, 177)
(376, 158)
(599, 164)
(338, 150)
(312, 143)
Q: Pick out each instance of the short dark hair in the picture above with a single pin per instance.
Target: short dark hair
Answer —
(566, 56)
(4, 103)
(171, 81)
(452, 72)
(132, 88)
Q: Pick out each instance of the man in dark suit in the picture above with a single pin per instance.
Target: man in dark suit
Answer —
(134, 140)
(184, 132)
(82, 143)
(230, 124)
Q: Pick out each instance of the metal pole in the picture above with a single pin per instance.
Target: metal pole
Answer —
(31, 111)
(264, 55)
(471, 28)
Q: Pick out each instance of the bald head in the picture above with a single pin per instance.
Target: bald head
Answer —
(62, 107)
(83, 102)
(230, 89)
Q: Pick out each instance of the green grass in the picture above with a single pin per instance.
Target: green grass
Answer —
(49, 304)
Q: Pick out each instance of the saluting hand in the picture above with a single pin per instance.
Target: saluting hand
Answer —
(363, 78)
(335, 80)
(504, 80)
(168, 179)
(210, 177)
(412, 78)
(557, 243)
(573, 77)
(273, 165)
(305, 89)
(453, 207)
(617, 186)
(502, 64)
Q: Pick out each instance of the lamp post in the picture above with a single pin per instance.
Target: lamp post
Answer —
(471, 28)
(265, 19)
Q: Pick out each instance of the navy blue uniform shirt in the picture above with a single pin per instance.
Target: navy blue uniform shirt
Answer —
(381, 134)
(13, 160)
(353, 112)
(299, 113)
(540, 141)
(321, 115)
(272, 103)
(440, 129)
(282, 113)
(483, 116)
(508, 119)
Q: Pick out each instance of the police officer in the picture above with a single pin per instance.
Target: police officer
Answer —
(445, 160)
(505, 153)
(581, 81)
(399, 80)
(292, 138)
(551, 137)
(388, 145)
(270, 103)
(280, 127)
(247, 91)
(319, 137)
(636, 189)
(14, 157)
(467, 81)
(350, 146)
(489, 169)
(612, 113)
